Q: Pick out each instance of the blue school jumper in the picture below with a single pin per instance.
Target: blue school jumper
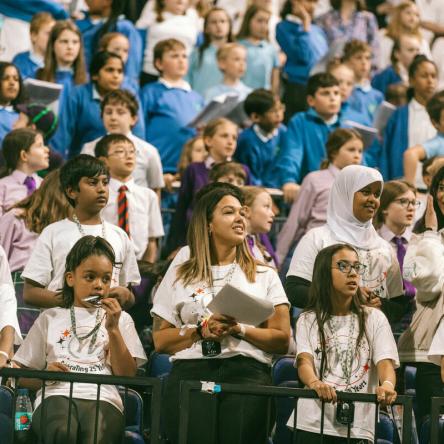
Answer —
(303, 146)
(89, 29)
(27, 64)
(168, 110)
(365, 100)
(303, 49)
(258, 153)
(80, 121)
(7, 118)
(435, 146)
(26, 9)
(204, 74)
(385, 78)
(396, 141)
(262, 58)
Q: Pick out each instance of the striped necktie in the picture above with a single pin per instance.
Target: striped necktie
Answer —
(122, 209)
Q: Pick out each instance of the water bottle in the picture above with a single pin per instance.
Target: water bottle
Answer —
(23, 415)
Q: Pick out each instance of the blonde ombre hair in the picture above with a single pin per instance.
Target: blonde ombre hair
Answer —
(395, 28)
(202, 254)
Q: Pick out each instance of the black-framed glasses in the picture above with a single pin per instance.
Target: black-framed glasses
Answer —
(406, 202)
(346, 267)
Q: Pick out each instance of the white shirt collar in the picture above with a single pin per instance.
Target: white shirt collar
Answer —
(388, 234)
(331, 121)
(264, 137)
(115, 184)
(365, 86)
(416, 106)
(37, 59)
(182, 85)
(209, 162)
(95, 93)
(293, 18)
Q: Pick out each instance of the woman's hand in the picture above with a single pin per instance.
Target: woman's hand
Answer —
(386, 394)
(430, 219)
(113, 311)
(57, 367)
(325, 392)
(218, 326)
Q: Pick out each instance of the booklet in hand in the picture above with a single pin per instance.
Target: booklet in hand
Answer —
(246, 309)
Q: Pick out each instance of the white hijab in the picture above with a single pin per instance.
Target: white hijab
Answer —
(340, 219)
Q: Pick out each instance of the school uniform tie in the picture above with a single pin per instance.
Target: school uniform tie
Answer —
(400, 242)
(250, 243)
(30, 185)
(122, 209)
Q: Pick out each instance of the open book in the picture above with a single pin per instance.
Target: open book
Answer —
(43, 93)
(368, 133)
(382, 115)
(225, 105)
(246, 309)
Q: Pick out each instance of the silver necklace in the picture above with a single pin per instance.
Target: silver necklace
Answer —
(225, 280)
(92, 333)
(347, 363)
(82, 231)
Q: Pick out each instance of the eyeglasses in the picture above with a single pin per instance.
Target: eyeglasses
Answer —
(123, 153)
(406, 202)
(346, 267)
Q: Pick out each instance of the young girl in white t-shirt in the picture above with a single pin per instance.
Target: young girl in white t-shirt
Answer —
(83, 336)
(342, 345)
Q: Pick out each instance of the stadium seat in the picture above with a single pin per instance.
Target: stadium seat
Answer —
(133, 416)
(424, 434)
(159, 365)
(283, 370)
(6, 408)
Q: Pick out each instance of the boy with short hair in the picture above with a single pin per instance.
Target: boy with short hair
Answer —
(232, 61)
(228, 172)
(29, 62)
(133, 208)
(365, 99)
(119, 110)
(303, 145)
(432, 147)
(25, 154)
(257, 145)
(169, 104)
(84, 180)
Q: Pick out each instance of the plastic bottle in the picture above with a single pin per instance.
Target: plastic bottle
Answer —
(23, 416)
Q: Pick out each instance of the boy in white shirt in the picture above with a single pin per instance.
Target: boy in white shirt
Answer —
(84, 180)
(133, 208)
(119, 114)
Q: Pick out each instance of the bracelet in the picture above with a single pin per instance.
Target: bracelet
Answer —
(389, 382)
(6, 355)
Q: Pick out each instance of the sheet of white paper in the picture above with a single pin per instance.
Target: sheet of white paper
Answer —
(246, 309)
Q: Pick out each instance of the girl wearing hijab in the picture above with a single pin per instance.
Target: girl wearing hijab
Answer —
(354, 200)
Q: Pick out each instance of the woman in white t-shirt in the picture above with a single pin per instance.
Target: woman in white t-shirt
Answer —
(354, 200)
(214, 347)
(90, 334)
(342, 345)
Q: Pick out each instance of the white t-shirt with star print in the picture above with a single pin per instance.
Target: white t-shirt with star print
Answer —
(183, 306)
(51, 339)
(378, 345)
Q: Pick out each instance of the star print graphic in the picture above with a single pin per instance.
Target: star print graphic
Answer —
(366, 367)
(66, 333)
(61, 340)
(318, 351)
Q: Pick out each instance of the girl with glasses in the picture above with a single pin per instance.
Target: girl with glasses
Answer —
(353, 202)
(394, 221)
(342, 345)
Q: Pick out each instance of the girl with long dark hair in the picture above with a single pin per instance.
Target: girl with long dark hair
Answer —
(342, 345)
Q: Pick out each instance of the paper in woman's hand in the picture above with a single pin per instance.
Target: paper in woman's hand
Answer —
(243, 307)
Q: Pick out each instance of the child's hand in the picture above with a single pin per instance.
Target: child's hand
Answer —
(290, 191)
(57, 367)
(113, 311)
(386, 394)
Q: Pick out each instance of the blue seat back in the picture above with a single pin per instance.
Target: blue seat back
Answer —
(159, 365)
(133, 405)
(283, 370)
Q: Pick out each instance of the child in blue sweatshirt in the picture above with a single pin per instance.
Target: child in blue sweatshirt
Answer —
(364, 99)
(80, 119)
(431, 148)
(304, 44)
(257, 145)
(28, 62)
(11, 94)
(102, 19)
(170, 103)
(404, 51)
(303, 147)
